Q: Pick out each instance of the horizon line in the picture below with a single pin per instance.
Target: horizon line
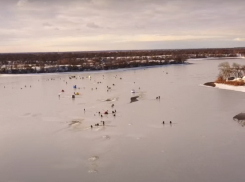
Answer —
(119, 50)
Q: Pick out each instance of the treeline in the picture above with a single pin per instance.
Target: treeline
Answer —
(78, 68)
(103, 60)
(53, 58)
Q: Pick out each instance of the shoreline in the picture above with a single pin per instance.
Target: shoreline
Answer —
(78, 69)
(230, 87)
(215, 58)
(225, 86)
(90, 71)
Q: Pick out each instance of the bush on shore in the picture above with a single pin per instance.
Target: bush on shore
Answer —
(234, 83)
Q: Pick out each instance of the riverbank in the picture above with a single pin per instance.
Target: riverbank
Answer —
(230, 87)
(225, 86)
(92, 69)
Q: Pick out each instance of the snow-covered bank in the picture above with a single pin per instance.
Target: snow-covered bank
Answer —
(214, 58)
(230, 87)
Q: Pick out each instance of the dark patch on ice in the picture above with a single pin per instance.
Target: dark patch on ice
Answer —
(27, 114)
(210, 84)
(34, 115)
(240, 118)
(75, 122)
(111, 99)
(134, 99)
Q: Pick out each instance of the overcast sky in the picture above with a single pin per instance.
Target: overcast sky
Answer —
(80, 25)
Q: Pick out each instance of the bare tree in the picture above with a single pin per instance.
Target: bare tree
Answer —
(236, 68)
(225, 70)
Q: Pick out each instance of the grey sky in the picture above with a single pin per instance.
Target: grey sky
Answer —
(77, 25)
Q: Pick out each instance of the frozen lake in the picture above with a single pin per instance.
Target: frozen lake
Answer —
(47, 138)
